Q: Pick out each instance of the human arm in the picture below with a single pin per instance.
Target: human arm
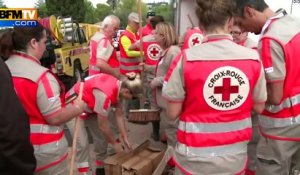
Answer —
(273, 60)
(121, 125)
(50, 105)
(164, 65)
(259, 94)
(126, 43)
(101, 108)
(173, 88)
(106, 68)
(104, 53)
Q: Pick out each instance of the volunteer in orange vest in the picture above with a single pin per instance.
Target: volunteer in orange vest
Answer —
(102, 92)
(213, 87)
(43, 99)
(103, 56)
(242, 39)
(192, 37)
(279, 49)
(165, 36)
(147, 29)
(152, 52)
(130, 59)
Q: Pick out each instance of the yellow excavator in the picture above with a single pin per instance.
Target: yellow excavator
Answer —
(68, 44)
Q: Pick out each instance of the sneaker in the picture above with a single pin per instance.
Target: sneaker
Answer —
(100, 171)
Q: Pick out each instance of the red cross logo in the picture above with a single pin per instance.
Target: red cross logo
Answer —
(195, 41)
(226, 89)
(154, 52)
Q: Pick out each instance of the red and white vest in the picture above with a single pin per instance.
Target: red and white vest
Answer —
(216, 110)
(108, 84)
(128, 64)
(193, 37)
(113, 60)
(152, 52)
(48, 140)
(287, 112)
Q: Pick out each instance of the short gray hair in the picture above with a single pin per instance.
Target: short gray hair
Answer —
(108, 20)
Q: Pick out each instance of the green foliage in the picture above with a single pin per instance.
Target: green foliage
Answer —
(89, 12)
(102, 10)
(2, 5)
(125, 7)
(73, 8)
(42, 9)
(164, 10)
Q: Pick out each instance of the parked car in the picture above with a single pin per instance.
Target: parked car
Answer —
(116, 39)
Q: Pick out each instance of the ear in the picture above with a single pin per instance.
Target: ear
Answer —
(33, 43)
(230, 23)
(249, 12)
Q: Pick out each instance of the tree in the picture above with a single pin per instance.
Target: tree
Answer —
(89, 12)
(42, 9)
(73, 8)
(125, 7)
(164, 10)
(2, 5)
(101, 11)
(113, 3)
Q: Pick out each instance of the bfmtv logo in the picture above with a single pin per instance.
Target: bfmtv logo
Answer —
(11, 17)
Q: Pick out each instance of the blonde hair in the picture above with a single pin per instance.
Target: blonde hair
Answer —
(167, 30)
(134, 84)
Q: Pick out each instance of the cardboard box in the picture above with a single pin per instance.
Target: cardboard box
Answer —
(141, 161)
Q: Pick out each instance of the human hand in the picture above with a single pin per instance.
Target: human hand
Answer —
(152, 84)
(142, 66)
(127, 143)
(79, 104)
(117, 147)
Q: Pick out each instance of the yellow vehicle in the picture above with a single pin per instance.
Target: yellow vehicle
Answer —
(89, 29)
(70, 45)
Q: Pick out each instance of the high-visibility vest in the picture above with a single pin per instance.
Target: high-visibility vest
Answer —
(287, 112)
(216, 117)
(112, 61)
(128, 64)
(152, 52)
(48, 140)
(107, 84)
(193, 37)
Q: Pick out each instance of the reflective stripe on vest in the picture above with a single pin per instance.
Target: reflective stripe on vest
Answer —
(130, 60)
(192, 127)
(50, 146)
(269, 122)
(45, 129)
(129, 68)
(83, 165)
(94, 68)
(287, 103)
(211, 151)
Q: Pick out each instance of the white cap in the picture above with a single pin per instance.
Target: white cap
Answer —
(134, 16)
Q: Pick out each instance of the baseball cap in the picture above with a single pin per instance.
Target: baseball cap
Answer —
(134, 16)
(150, 13)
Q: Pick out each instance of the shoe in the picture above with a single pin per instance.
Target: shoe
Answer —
(100, 171)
